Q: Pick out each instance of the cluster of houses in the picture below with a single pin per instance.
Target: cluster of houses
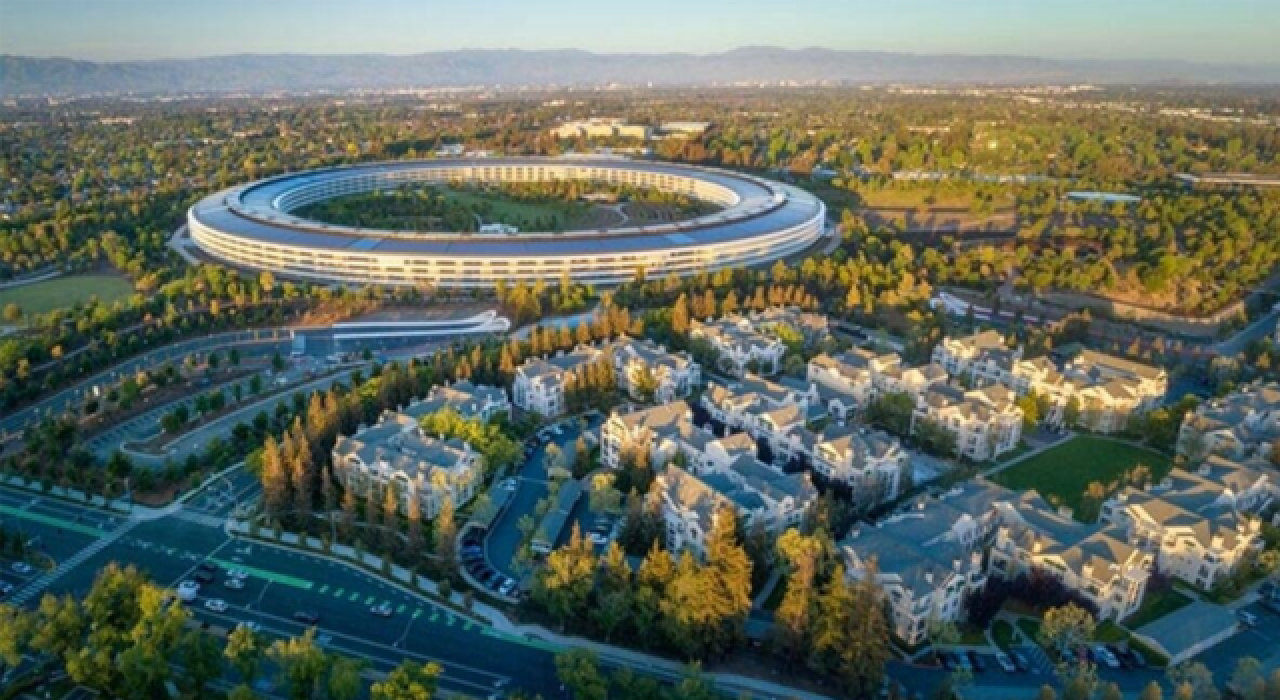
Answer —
(1196, 525)
(1243, 425)
(396, 453)
(639, 366)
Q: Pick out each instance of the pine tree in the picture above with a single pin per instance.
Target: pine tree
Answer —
(275, 480)
(680, 316)
(730, 571)
(348, 520)
(417, 541)
(446, 531)
(390, 520)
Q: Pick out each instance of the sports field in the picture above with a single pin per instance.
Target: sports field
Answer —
(63, 292)
(1064, 472)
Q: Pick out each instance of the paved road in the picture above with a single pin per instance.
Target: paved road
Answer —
(1264, 327)
(504, 538)
(72, 397)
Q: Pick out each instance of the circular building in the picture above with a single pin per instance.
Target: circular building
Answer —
(252, 226)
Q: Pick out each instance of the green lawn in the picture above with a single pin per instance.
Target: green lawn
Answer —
(1030, 628)
(1109, 632)
(63, 292)
(1002, 633)
(1155, 606)
(972, 636)
(1062, 473)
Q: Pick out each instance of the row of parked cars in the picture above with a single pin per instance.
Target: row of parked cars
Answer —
(1113, 657)
(473, 558)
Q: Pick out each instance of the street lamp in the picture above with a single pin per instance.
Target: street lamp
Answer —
(405, 634)
(261, 595)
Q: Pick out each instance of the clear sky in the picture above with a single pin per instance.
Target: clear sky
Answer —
(1235, 31)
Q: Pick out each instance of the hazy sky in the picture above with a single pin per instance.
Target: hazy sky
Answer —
(1246, 31)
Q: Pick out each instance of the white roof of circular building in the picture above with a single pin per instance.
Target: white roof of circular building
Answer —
(260, 210)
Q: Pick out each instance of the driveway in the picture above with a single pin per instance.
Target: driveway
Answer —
(532, 485)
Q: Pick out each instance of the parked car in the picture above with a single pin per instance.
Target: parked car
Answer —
(207, 566)
(307, 617)
(1247, 618)
(383, 609)
(1006, 664)
(203, 576)
(1020, 661)
(239, 574)
(507, 587)
(215, 605)
(1104, 656)
(5, 588)
(1137, 659)
(979, 666)
(21, 567)
(1120, 655)
(234, 584)
(947, 660)
(597, 538)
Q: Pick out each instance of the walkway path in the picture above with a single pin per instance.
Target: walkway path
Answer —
(32, 279)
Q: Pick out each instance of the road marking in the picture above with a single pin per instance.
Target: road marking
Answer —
(369, 600)
(435, 614)
(338, 593)
(400, 609)
(451, 620)
(324, 588)
(467, 627)
(267, 575)
(417, 613)
(50, 520)
(355, 595)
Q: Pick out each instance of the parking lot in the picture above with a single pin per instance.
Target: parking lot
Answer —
(531, 485)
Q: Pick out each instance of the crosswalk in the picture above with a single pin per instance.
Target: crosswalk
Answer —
(200, 518)
(36, 586)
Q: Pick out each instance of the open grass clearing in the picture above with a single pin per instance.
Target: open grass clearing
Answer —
(1062, 473)
(64, 292)
(1156, 605)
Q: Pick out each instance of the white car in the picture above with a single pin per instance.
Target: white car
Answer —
(215, 605)
(382, 610)
(251, 626)
(188, 590)
(21, 567)
(597, 538)
(240, 574)
(1105, 656)
(234, 584)
(1006, 663)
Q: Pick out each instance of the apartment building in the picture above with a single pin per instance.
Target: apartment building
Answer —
(1242, 425)
(395, 453)
(985, 422)
(756, 493)
(1107, 390)
(741, 346)
(776, 413)
(928, 559)
(540, 382)
(471, 401)
(1198, 524)
(980, 359)
(1098, 563)
(847, 382)
(812, 328)
(647, 371)
(871, 463)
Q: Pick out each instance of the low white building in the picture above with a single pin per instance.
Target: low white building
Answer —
(756, 493)
(396, 454)
(740, 346)
(1097, 563)
(871, 463)
(471, 401)
(539, 383)
(640, 364)
(1199, 524)
(985, 422)
(1241, 425)
(981, 359)
(847, 382)
(928, 559)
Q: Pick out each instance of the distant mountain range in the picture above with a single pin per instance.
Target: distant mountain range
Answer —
(20, 75)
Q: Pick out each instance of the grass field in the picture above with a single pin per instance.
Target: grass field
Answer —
(509, 210)
(62, 292)
(1062, 473)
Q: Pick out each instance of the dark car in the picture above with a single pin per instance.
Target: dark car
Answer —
(207, 566)
(947, 660)
(1136, 659)
(1019, 661)
(1121, 655)
(307, 617)
(203, 576)
(979, 666)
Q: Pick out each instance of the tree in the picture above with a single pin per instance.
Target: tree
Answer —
(12, 312)
(242, 692)
(244, 652)
(344, 678)
(408, 681)
(1152, 692)
(565, 582)
(1247, 680)
(201, 660)
(301, 663)
(1066, 628)
(578, 669)
(17, 626)
(1195, 677)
